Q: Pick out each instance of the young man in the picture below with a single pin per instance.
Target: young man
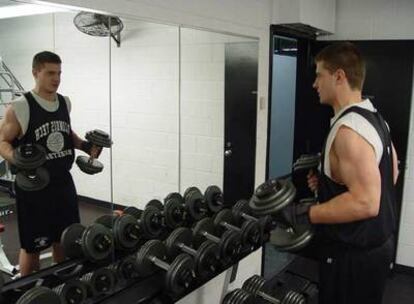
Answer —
(356, 215)
(41, 116)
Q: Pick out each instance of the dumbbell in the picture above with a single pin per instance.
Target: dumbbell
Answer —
(242, 212)
(239, 296)
(99, 282)
(179, 274)
(99, 139)
(213, 196)
(300, 170)
(39, 295)
(126, 269)
(125, 230)
(250, 231)
(254, 285)
(172, 211)
(149, 221)
(27, 164)
(271, 198)
(194, 204)
(94, 242)
(73, 291)
(205, 257)
(229, 243)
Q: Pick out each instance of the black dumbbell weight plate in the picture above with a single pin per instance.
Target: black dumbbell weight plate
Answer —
(155, 203)
(272, 200)
(179, 235)
(207, 259)
(287, 239)
(135, 212)
(173, 213)
(190, 190)
(69, 240)
(252, 234)
(128, 268)
(73, 292)
(180, 274)
(102, 281)
(35, 180)
(242, 206)
(152, 248)
(306, 162)
(39, 295)
(29, 157)
(230, 245)
(194, 205)
(207, 225)
(254, 284)
(174, 196)
(89, 167)
(97, 242)
(126, 231)
(99, 138)
(151, 222)
(213, 197)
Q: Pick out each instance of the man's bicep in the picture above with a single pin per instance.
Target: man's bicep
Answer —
(9, 126)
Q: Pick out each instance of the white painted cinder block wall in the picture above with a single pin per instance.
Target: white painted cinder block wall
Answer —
(382, 20)
(242, 17)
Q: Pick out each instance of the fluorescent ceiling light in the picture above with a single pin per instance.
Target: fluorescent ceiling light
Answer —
(11, 11)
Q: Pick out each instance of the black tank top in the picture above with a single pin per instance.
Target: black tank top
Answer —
(371, 232)
(51, 130)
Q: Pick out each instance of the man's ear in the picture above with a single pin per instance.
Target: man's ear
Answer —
(340, 76)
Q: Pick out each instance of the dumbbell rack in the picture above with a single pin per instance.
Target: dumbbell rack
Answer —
(140, 290)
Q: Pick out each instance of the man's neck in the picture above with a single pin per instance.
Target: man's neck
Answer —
(45, 95)
(346, 100)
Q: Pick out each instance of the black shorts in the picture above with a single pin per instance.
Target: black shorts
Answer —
(43, 215)
(356, 276)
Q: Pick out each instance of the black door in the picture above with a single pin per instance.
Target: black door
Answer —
(241, 63)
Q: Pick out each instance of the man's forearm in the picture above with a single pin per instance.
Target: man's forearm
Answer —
(343, 208)
(77, 141)
(6, 151)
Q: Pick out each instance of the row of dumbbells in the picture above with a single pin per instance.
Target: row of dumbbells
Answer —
(125, 230)
(253, 290)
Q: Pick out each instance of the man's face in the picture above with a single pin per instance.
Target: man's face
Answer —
(47, 77)
(325, 84)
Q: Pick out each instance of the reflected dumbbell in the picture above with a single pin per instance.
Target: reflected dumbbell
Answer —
(94, 242)
(39, 295)
(229, 243)
(173, 210)
(152, 256)
(149, 221)
(194, 204)
(73, 291)
(250, 231)
(125, 230)
(99, 282)
(255, 284)
(213, 197)
(27, 165)
(239, 296)
(206, 257)
(99, 139)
